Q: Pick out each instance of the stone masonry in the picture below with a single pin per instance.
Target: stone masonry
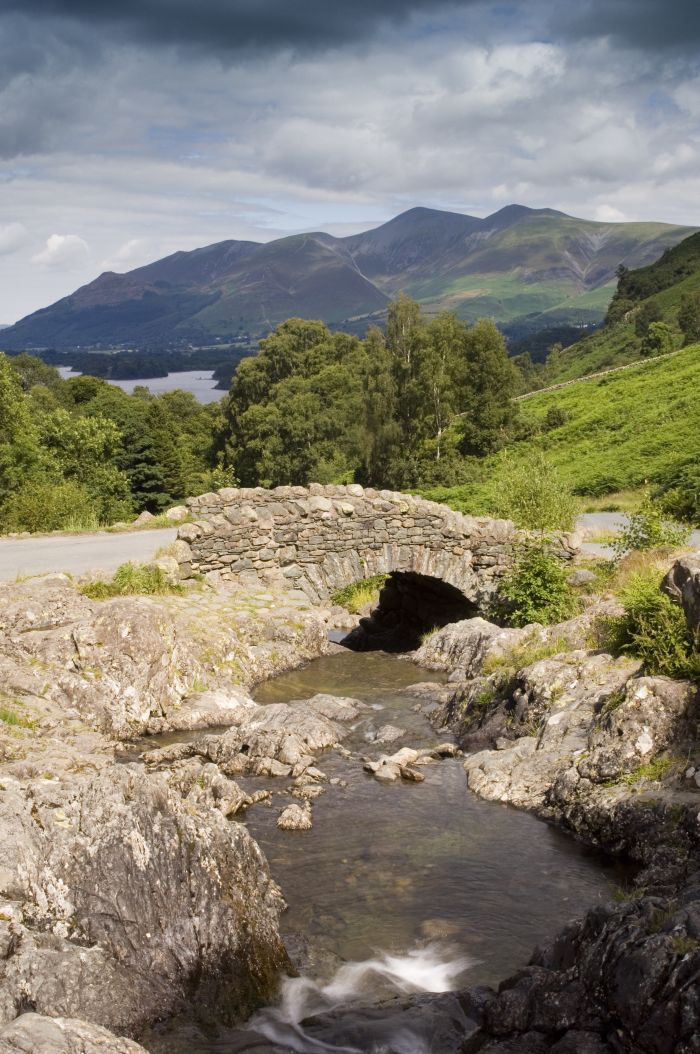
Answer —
(322, 538)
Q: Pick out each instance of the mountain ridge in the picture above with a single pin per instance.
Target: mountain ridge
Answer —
(516, 263)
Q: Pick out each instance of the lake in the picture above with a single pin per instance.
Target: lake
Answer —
(200, 382)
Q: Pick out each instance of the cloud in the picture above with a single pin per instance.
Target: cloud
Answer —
(236, 25)
(63, 251)
(156, 125)
(645, 24)
(12, 237)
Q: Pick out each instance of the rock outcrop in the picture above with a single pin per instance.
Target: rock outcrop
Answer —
(127, 894)
(34, 1034)
(682, 584)
(136, 665)
(582, 738)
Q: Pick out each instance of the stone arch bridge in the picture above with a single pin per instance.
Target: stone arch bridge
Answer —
(322, 538)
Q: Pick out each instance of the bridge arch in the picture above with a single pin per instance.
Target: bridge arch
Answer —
(322, 538)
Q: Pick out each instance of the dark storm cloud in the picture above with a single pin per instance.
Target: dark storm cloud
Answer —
(646, 24)
(233, 25)
(307, 25)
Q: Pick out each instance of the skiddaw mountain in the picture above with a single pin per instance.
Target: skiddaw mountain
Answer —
(537, 265)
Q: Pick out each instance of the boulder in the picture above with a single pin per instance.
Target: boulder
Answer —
(682, 584)
(35, 1034)
(132, 899)
(462, 648)
(177, 513)
(295, 818)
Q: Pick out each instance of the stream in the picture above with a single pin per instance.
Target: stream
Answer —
(399, 890)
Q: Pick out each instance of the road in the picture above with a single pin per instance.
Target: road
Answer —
(78, 553)
(612, 522)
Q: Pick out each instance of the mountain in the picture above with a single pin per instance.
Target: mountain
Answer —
(535, 265)
(656, 290)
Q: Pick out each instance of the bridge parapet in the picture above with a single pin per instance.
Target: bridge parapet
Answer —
(322, 538)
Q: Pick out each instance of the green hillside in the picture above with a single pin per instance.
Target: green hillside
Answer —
(617, 432)
(663, 285)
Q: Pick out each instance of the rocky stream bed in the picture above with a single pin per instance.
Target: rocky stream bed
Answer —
(138, 912)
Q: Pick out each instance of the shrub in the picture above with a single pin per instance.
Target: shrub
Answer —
(555, 418)
(39, 505)
(650, 528)
(130, 579)
(536, 590)
(659, 340)
(532, 494)
(653, 629)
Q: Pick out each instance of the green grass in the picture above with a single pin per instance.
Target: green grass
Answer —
(524, 654)
(359, 594)
(620, 431)
(10, 715)
(131, 579)
(652, 771)
(618, 501)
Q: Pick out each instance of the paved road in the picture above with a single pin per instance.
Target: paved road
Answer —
(78, 553)
(612, 521)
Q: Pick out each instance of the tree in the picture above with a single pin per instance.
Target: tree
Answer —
(382, 434)
(659, 340)
(441, 376)
(405, 333)
(647, 313)
(84, 450)
(21, 455)
(689, 317)
(490, 383)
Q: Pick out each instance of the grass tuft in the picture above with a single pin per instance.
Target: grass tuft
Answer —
(527, 652)
(359, 594)
(132, 579)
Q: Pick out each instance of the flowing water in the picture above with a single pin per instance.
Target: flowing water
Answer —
(401, 888)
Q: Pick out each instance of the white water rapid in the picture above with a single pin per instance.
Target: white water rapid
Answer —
(434, 968)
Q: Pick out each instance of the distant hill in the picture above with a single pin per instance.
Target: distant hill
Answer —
(662, 284)
(536, 265)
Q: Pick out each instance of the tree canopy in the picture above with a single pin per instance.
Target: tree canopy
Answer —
(391, 410)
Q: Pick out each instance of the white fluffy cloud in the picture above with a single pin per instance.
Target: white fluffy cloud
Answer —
(63, 251)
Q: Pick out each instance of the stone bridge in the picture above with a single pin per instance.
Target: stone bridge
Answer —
(322, 538)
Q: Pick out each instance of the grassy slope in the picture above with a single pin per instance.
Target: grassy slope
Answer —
(620, 431)
(560, 266)
(617, 344)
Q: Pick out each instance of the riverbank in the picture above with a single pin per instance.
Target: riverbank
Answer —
(131, 893)
(127, 894)
(558, 727)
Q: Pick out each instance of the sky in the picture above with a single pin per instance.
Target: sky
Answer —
(132, 129)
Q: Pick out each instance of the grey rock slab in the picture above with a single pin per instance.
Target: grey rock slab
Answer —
(35, 1034)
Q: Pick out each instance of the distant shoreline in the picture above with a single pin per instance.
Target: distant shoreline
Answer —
(201, 383)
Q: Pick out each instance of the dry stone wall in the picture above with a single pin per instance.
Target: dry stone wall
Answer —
(321, 538)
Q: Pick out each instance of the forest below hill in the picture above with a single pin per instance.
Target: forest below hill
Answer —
(428, 405)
